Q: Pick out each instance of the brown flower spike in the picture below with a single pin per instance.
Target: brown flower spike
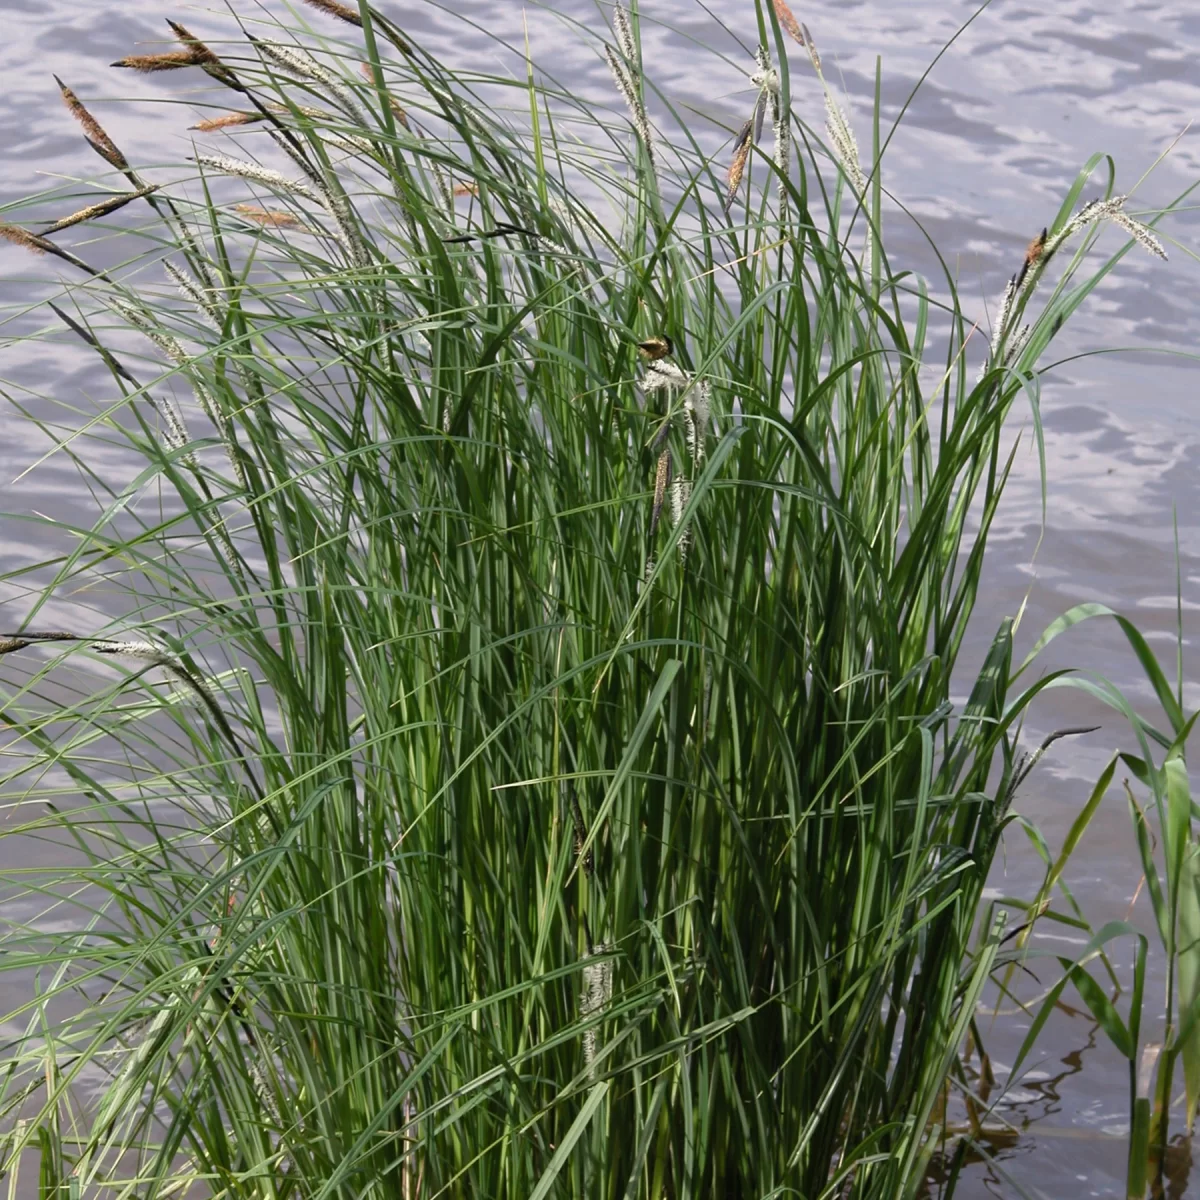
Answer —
(652, 349)
(343, 12)
(334, 9)
(737, 166)
(1034, 254)
(788, 22)
(369, 75)
(148, 63)
(268, 216)
(226, 120)
(662, 481)
(92, 130)
(102, 209)
(194, 54)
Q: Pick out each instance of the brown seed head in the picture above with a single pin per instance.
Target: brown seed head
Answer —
(148, 63)
(268, 216)
(226, 120)
(812, 49)
(1035, 249)
(102, 209)
(662, 481)
(201, 54)
(334, 9)
(101, 142)
(788, 22)
(369, 75)
(737, 165)
(22, 237)
(204, 57)
(1034, 253)
(655, 348)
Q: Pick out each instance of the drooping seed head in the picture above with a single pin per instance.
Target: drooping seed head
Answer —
(698, 408)
(637, 111)
(595, 994)
(304, 66)
(1140, 233)
(681, 493)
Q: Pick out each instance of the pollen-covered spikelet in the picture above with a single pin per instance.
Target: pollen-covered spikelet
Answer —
(681, 493)
(225, 165)
(625, 82)
(100, 209)
(596, 993)
(304, 66)
(22, 237)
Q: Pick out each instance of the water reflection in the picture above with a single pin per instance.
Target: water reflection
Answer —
(1003, 1145)
(987, 150)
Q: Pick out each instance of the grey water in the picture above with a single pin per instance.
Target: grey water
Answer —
(988, 146)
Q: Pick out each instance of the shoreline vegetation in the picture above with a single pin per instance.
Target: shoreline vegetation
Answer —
(524, 763)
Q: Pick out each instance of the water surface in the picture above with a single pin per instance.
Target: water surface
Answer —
(987, 149)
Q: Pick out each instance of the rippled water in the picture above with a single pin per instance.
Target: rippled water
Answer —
(985, 153)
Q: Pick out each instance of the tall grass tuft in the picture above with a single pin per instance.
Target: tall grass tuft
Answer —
(411, 836)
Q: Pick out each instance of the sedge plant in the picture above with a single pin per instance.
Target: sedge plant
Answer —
(510, 751)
